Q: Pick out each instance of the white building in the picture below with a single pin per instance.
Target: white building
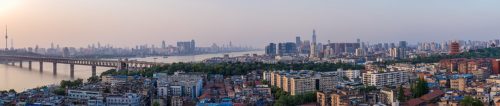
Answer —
(385, 78)
(129, 99)
(99, 101)
(266, 75)
(351, 74)
(80, 94)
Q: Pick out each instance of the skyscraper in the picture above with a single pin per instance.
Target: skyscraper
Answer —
(163, 45)
(313, 45)
(287, 49)
(314, 37)
(271, 49)
(298, 42)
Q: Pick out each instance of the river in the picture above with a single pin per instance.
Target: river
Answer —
(20, 79)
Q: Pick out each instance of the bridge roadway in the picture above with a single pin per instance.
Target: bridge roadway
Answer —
(119, 64)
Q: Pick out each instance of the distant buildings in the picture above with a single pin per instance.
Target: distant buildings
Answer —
(298, 42)
(186, 47)
(271, 49)
(335, 49)
(287, 49)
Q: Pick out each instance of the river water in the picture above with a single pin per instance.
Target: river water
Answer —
(20, 79)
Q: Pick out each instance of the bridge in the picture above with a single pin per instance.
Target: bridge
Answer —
(94, 63)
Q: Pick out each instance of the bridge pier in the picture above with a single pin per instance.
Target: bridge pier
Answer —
(72, 70)
(94, 68)
(54, 66)
(13, 63)
(41, 66)
(21, 64)
(29, 65)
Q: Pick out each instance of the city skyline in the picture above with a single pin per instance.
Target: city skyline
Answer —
(248, 23)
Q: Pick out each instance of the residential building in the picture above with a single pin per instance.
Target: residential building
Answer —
(385, 78)
(128, 99)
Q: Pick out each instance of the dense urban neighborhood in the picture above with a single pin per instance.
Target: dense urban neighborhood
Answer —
(354, 74)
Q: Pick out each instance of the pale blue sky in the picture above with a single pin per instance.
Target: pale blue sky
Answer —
(246, 22)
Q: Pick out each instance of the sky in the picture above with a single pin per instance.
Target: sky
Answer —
(126, 23)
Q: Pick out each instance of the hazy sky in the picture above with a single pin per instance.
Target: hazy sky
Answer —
(126, 23)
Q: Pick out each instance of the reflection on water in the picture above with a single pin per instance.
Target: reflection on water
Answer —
(20, 79)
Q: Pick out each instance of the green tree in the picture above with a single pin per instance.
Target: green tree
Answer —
(156, 103)
(59, 91)
(401, 94)
(93, 79)
(469, 101)
(12, 91)
(69, 83)
(421, 88)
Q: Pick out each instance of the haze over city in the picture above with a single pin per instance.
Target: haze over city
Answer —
(125, 23)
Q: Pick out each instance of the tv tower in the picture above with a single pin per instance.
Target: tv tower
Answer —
(6, 38)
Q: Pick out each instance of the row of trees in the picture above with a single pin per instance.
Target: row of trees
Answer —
(469, 101)
(61, 90)
(238, 68)
(9, 91)
(478, 53)
(284, 99)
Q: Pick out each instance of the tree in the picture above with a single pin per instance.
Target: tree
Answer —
(93, 79)
(421, 88)
(59, 91)
(156, 103)
(401, 94)
(107, 90)
(265, 82)
(469, 101)
(12, 91)
(69, 83)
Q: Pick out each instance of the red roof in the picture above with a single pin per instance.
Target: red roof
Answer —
(415, 102)
(435, 94)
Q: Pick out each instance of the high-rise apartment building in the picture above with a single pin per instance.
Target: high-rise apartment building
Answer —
(403, 44)
(287, 49)
(271, 49)
(333, 49)
(387, 78)
(298, 42)
(299, 82)
(394, 52)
